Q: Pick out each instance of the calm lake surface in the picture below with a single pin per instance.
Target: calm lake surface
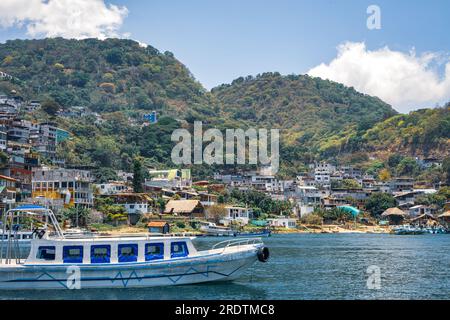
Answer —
(309, 266)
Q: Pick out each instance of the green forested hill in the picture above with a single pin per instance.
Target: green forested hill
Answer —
(310, 112)
(318, 119)
(107, 76)
(423, 132)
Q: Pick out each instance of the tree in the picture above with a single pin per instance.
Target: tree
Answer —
(3, 159)
(446, 168)
(216, 213)
(407, 166)
(114, 56)
(50, 107)
(377, 203)
(77, 216)
(115, 213)
(394, 160)
(161, 204)
(105, 174)
(384, 175)
(350, 184)
(312, 219)
(138, 176)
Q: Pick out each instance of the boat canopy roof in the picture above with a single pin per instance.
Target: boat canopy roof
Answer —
(29, 207)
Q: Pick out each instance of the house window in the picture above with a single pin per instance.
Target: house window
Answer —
(46, 253)
(178, 249)
(101, 254)
(73, 254)
(154, 251)
(128, 252)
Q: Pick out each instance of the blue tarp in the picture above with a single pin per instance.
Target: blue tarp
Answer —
(350, 209)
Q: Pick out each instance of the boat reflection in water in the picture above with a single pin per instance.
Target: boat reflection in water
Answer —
(58, 262)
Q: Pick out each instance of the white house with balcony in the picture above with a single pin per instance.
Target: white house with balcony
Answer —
(240, 215)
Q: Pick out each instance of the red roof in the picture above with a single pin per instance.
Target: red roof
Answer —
(8, 178)
(156, 224)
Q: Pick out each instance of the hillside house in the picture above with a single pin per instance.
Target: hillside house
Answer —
(63, 187)
(240, 215)
(186, 208)
(283, 222)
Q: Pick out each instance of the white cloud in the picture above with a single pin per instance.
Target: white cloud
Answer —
(404, 80)
(64, 18)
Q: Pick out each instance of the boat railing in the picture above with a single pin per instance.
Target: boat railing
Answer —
(236, 242)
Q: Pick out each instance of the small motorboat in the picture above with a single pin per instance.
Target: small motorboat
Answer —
(408, 230)
(211, 229)
(57, 262)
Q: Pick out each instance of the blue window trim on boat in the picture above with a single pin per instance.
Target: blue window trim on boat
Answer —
(68, 259)
(46, 256)
(132, 258)
(106, 259)
(185, 252)
(149, 257)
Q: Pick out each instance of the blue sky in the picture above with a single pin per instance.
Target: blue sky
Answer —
(222, 40)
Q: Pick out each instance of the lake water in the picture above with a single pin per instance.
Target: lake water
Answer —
(313, 266)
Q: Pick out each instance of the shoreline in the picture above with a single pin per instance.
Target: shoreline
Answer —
(302, 229)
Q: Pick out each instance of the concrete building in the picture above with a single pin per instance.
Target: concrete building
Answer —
(237, 214)
(283, 222)
(172, 178)
(111, 188)
(62, 187)
(8, 189)
(401, 184)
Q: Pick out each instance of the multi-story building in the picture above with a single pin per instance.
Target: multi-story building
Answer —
(322, 173)
(61, 187)
(46, 143)
(19, 132)
(33, 105)
(401, 184)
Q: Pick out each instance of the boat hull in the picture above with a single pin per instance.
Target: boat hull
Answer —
(215, 267)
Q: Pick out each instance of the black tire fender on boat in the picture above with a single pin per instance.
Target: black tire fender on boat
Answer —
(263, 254)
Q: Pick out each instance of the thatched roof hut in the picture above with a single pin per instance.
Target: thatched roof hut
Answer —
(192, 208)
(445, 216)
(425, 218)
(394, 215)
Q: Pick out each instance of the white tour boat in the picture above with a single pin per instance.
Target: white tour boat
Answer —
(57, 262)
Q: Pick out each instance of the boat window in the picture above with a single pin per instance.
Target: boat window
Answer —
(128, 252)
(46, 253)
(5, 237)
(73, 254)
(178, 249)
(27, 236)
(101, 254)
(154, 251)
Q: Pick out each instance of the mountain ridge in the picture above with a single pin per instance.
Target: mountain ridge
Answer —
(319, 119)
